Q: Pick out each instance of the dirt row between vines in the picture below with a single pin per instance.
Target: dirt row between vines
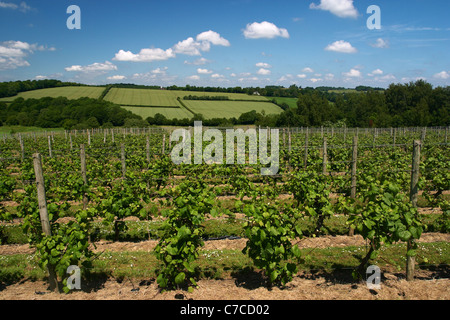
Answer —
(338, 285)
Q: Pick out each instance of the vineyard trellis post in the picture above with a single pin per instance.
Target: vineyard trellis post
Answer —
(124, 166)
(414, 191)
(50, 147)
(148, 148)
(43, 213)
(83, 173)
(325, 156)
(305, 158)
(353, 178)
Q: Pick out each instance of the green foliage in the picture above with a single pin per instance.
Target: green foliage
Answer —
(182, 233)
(385, 216)
(270, 233)
(312, 191)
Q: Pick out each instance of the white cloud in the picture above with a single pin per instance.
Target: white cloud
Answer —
(13, 53)
(340, 8)
(329, 77)
(23, 7)
(213, 37)
(217, 76)
(191, 47)
(314, 80)
(198, 62)
(145, 55)
(353, 73)
(444, 75)
(159, 70)
(194, 77)
(263, 65)
(376, 72)
(203, 71)
(380, 43)
(341, 46)
(265, 30)
(307, 69)
(301, 76)
(92, 68)
(116, 77)
(264, 72)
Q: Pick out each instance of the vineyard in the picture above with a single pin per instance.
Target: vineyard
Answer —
(66, 193)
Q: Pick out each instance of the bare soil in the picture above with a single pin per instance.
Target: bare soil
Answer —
(338, 285)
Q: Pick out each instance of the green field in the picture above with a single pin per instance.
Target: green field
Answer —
(292, 102)
(169, 113)
(229, 109)
(164, 98)
(142, 97)
(68, 92)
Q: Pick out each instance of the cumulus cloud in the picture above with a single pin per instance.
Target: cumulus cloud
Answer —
(443, 75)
(23, 7)
(341, 46)
(194, 77)
(377, 72)
(263, 72)
(353, 73)
(267, 30)
(301, 76)
(93, 68)
(189, 46)
(145, 55)
(116, 77)
(198, 62)
(307, 69)
(213, 38)
(380, 43)
(263, 65)
(340, 8)
(203, 71)
(13, 53)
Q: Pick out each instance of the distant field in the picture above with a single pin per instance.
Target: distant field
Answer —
(169, 113)
(164, 98)
(68, 92)
(292, 102)
(142, 97)
(229, 109)
(16, 129)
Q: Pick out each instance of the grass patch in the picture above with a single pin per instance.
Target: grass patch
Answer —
(219, 264)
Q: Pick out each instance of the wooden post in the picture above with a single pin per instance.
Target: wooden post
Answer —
(325, 155)
(414, 191)
(289, 140)
(89, 137)
(43, 213)
(22, 148)
(124, 166)
(50, 147)
(305, 157)
(70, 141)
(148, 148)
(164, 144)
(83, 173)
(353, 179)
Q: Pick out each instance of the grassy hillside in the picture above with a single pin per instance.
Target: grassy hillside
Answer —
(68, 92)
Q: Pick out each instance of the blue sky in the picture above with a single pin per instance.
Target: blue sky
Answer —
(227, 43)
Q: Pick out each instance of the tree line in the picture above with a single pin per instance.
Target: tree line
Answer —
(61, 112)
